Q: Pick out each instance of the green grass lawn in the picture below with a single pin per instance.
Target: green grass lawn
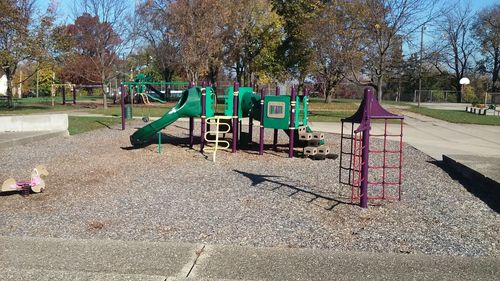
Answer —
(318, 110)
(328, 116)
(78, 125)
(22, 109)
(457, 116)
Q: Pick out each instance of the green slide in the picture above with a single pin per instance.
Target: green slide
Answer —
(188, 106)
(155, 95)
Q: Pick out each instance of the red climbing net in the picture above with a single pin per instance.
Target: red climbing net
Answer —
(385, 160)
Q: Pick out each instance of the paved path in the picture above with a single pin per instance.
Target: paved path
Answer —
(68, 259)
(436, 137)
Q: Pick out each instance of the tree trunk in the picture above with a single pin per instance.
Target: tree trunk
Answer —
(379, 87)
(496, 70)
(325, 93)
(167, 75)
(104, 96)
(329, 94)
(8, 74)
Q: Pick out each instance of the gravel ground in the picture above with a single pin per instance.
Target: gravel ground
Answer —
(99, 188)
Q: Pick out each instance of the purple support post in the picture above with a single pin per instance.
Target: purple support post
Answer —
(235, 117)
(365, 144)
(122, 103)
(261, 137)
(292, 123)
(203, 115)
(74, 94)
(191, 130)
(275, 137)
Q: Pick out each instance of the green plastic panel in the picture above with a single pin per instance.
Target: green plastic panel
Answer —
(248, 102)
(277, 112)
(210, 102)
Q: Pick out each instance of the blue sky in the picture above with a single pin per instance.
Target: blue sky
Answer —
(65, 12)
(65, 6)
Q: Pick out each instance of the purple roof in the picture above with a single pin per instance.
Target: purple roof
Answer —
(372, 107)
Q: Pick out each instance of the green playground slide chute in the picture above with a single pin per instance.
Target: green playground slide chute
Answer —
(155, 94)
(188, 106)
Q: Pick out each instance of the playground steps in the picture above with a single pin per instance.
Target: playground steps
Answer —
(315, 148)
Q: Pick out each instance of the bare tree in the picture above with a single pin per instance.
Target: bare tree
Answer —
(110, 36)
(155, 29)
(487, 31)
(389, 23)
(455, 44)
(196, 33)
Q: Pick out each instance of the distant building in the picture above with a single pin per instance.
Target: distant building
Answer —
(3, 85)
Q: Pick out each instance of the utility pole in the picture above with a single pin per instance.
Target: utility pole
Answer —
(420, 64)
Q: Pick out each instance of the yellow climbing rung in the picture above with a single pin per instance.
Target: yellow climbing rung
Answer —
(217, 143)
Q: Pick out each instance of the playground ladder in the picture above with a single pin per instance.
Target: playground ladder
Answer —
(217, 143)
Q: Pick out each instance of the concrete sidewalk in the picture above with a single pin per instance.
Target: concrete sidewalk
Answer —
(68, 259)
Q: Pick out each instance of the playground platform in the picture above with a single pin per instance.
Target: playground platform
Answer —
(26, 258)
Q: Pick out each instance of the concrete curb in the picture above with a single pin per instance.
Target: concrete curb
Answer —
(29, 258)
(20, 138)
(35, 122)
(469, 172)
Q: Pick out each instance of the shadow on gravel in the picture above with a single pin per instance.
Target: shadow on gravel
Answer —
(296, 193)
(165, 139)
(489, 193)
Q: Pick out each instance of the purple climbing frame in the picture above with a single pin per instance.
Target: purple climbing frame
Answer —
(359, 165)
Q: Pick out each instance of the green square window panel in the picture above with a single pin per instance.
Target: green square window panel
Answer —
(277, 112)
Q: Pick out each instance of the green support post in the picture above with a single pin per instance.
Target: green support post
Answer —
(159, 142)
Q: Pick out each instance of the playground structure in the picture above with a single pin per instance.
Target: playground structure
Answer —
(369, 170)
(143, 89)
(36, 183)
(279, 112)
(372, 168)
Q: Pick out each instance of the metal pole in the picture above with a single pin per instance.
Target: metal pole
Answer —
(235, 117)
(420, 64)
(191, 130)
(74, 94)
(365, 146)
(122, 98)
(275, 137)
(292, 123)
(261, 136)
(203, 115)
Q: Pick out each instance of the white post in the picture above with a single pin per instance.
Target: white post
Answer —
(20, 93)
